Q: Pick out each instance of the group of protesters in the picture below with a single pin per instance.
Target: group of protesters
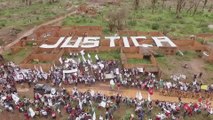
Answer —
(76, 69)
(76, 105)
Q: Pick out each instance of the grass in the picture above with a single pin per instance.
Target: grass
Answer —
(114, 55)
(19, 56)
(139, 61)
(81, 20)
(208, 67)
(163, 20)
(188, 55)
(22, 16)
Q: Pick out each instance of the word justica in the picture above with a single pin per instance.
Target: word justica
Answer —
(92, 42)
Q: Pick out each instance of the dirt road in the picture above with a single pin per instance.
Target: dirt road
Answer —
(127, 92)
(29, 32)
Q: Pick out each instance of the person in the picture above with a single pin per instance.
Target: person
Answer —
(200, 75)
(118, 86)
(112, 84)
(179, 99)
(149, 112)
(140, 115)
(132, 117)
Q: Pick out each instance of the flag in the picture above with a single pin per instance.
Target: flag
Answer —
(149, 97)
(89, 56)
(89, 62)
(54, 66)
(140, 97)
(15, 98)
(36, 68)
(84, 59)
(60, 60)
(94, 116)
(82, 52)
(41, 70)
(96, 57)
(79, 60)
(32, 113)
(80, 103)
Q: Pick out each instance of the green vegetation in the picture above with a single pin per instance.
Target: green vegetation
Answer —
(188, 55)
(19, 56)
(163, 20)
(113, 55)
(81, 20)
(164, 63)
(22, 16)
(139, 61)
(208, 67)
(39, 62)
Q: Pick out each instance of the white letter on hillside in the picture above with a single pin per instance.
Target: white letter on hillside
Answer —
(112, 40)
(126, 42)
(53, 46)
(134, 40)
(159, 40)
(68, 40)
(90, 42)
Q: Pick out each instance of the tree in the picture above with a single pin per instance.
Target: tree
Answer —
(163, 3)
(196, 5)
(153, 2)
(27, 2)
(180, 5)
(136, 4)
(52, 1)
(117, 18)
(204, 4)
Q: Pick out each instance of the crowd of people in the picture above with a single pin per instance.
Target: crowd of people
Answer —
(76, 105)
(76, 69)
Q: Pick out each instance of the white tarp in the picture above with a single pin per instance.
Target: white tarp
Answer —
(109, 76)
(140, 69)
(31, 112)
(69, 71)
(102, 104)
(15, 98)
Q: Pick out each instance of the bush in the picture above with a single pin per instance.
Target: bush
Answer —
(155, 26)
(132, 23)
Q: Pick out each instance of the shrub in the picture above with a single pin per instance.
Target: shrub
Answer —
(132, 23)
(155, 26)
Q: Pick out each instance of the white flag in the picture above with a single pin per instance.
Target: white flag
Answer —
(140, 97)
(41, 70)
(36, 68)
(84, 59)
(32, 113)
(89, 56)
(82, 52)
(94, 116)
(60, 60)
(15, 98)
(96, 57)
(51, 68)
(149, 97)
